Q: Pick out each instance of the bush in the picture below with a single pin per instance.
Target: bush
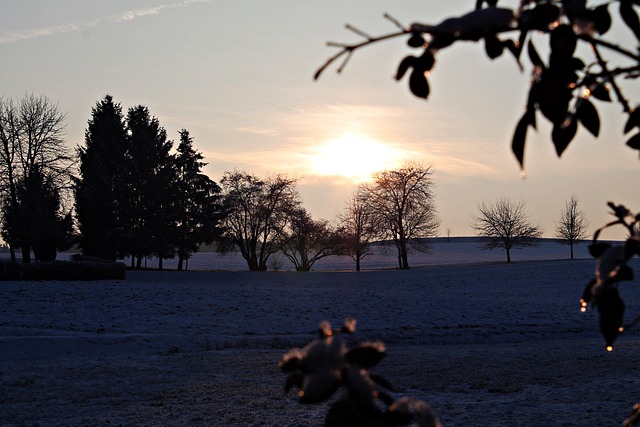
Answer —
(63, 270)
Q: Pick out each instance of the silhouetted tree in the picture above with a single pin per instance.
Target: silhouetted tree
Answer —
(256, 215)
(571, 228)
(198, 202)
(404, 205)
(504, 224)
(33, 151)
(309, 240)
(359, 225)
(98, 190)
(149, 211)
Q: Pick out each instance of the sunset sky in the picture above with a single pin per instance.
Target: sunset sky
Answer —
(239, 76)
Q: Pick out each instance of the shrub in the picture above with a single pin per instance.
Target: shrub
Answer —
(62, 270)
(326, 364)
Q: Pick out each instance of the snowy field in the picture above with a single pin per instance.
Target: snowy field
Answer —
(486, 343)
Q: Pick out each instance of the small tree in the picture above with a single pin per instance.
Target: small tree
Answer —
(571, 228)
(309, 240)
(33, 150)
(256, 212)
(504, 224)
(404, 206)
(359, 227)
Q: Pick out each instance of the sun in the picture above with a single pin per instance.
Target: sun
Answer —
(354, 156)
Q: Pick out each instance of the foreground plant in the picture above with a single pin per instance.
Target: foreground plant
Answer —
(611, 269)
(326, 365)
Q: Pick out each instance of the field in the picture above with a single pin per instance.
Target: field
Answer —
(486, 343)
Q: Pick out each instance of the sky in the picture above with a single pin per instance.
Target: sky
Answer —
(239, 76)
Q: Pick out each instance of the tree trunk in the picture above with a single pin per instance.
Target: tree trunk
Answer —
(180, 262)
(12, 251)
(508, 255)
(571, 245)
(159, 263)
(26, 254)
(357, 263)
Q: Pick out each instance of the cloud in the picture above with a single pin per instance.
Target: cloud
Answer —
(12, 37)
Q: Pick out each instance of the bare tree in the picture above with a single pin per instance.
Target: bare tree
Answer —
(31, 132)
(403, 202)
(504, 224)
(309, 240)
(359, 226)
(571, 228)
(256, 214)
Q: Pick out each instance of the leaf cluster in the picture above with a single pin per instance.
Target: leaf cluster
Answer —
(611, 269)
(563, 86)
(327, 364)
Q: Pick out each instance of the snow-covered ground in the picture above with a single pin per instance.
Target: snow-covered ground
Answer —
(485, 342)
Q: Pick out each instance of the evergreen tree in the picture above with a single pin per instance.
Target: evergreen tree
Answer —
(99, 188)
(198, 201)
(149, 208)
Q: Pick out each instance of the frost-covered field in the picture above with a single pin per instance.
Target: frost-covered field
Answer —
(485, 342)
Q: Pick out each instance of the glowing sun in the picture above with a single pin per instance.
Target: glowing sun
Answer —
(354, 156)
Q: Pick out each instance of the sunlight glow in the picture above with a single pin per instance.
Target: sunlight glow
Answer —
(355, 156)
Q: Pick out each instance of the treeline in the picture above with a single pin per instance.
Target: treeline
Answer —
(131, 192)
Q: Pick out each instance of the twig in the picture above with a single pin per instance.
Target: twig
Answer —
(611, 78)
(349, 49)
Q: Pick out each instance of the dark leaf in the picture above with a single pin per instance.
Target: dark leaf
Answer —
(630, 17)
(294, 380)
(597, 249)
(577, 63)
(601, 92)
(624, 274)
(404, 66)
(562, 135)
(534, 56)
(399, 412)
(631, 248)
(633, 120)
(563, 40)
(588, 117)
(519, 138)
(601, 18)
(634, 142)
(349, 325)
(541, 17)
(367, 355)
(318, 387)
(418, 84)
(611, 309)
(416, 40)
(426, 61)
(291, 361)
(493, 46)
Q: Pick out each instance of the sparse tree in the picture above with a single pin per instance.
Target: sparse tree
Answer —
(504, 224)
(571, 228)
(256, 212)
(359, 226)
(309, 240)
(404, 205)
(33, 150)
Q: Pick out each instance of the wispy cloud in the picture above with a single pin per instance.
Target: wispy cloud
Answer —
(129, 15)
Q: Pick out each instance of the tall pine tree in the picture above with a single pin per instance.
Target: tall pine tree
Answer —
(102, 173)
(150, 214)
(198, 201)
